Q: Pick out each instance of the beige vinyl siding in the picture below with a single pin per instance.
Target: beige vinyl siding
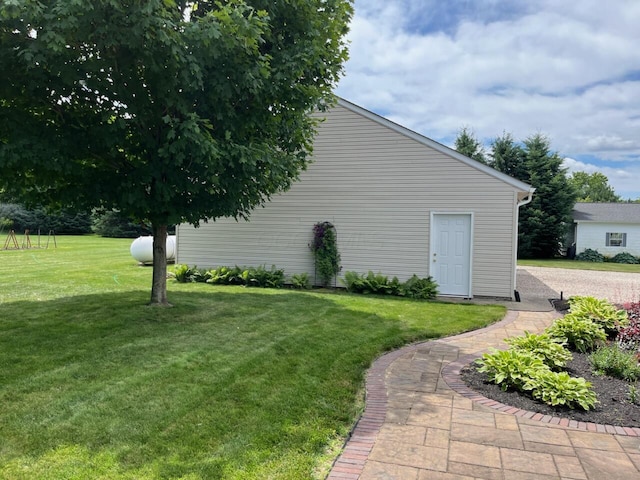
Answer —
(378, 187)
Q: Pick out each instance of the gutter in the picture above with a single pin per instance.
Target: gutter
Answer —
(520, 203)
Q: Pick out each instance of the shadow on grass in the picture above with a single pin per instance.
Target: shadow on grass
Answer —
(228, 383)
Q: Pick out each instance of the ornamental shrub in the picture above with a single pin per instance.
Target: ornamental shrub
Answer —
(552, 354)
(420, 288)
(625, 257)
(590, 255)
(415, 287)
(629, 337)
(301, 281)
(612, 361)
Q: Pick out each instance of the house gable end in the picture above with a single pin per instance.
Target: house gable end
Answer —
(512, 182)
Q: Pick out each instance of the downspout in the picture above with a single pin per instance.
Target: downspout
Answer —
(522, 202)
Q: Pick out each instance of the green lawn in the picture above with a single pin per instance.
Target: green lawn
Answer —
(229, 383)
(573, 264)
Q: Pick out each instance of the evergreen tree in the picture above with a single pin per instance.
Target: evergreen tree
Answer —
(467, 144)
(508, 157)
(544, 222)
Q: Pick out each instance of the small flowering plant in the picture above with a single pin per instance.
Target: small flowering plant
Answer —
(629, 336)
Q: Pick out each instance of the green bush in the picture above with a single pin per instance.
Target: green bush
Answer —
(602, 312)
(247, 276)
(420, 288)
(19, 218)
(511, 368)
(186, 274)
(225, 276)
(552, 354)
(559, 388)
(580, 334)
(612, 361)
(113, 224)
(301, 281)
(625, 257)
(415, 287)
(370, 283)
(590, 255)
(261, 277)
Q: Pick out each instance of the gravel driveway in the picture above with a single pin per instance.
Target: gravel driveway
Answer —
(536, 283)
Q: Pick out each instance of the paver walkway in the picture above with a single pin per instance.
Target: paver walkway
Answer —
(421, 423)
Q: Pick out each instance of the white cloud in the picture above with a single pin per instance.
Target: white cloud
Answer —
(561, 68)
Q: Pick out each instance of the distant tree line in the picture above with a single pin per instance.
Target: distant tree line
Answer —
(108, 223)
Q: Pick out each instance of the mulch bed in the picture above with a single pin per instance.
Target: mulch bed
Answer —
(614, 407)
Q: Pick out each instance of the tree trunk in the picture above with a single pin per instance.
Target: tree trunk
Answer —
(159, 283)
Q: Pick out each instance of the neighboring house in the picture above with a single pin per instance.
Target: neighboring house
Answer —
(402, 204)
(609, 228)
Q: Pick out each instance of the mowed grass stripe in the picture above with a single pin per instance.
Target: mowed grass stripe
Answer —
(228, 383)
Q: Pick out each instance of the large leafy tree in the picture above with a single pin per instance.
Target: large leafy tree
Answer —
(593, 187)
(544, 222)
(168, 110)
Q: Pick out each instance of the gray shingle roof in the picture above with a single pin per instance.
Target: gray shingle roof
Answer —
(607, 212)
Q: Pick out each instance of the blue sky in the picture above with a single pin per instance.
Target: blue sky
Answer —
(569, 70)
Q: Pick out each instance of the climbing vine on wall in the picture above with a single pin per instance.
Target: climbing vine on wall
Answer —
(325, 251)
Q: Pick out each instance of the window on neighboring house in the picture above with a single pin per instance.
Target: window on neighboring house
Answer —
(616, 239)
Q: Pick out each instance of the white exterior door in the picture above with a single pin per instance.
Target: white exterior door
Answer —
(450, 262)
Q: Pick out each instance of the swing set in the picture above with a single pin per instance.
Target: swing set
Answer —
(11, 243)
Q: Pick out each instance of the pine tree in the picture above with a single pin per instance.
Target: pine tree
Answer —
(508, 157)
(544, 222)
(467, 144)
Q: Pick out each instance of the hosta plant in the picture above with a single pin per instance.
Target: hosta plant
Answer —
(552, 353)
(579, 333)
(511, 368)
(600, 311)
(226, 276)
(560, 389)
(186, 274)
